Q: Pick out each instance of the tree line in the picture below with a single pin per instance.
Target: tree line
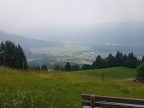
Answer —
(119, 59)
(67, 67)
(12, 55)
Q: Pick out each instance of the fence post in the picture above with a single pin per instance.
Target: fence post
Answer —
(92, 101)
(102, 76)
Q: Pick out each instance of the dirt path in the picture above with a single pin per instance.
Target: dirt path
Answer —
(128, 79)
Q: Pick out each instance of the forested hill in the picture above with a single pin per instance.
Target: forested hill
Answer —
(28, 43)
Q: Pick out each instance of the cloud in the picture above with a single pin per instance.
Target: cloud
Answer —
(114, 44)
(28, 14)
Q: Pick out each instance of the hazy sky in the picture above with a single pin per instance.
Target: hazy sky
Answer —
(26, 16)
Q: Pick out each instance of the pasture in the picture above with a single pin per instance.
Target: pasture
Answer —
(26, 89)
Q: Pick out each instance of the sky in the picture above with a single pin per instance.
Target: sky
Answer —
(49, 19)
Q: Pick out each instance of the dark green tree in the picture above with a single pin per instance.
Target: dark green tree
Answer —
(142, 59)
(75, 67)
(110, 61)
(125, 58)
(67, 67)
(2, 54)
(86, 67)
(99, 63)
(57, 67)
(21, 58)
(44, 68)
(140, 73)
(131, 61)
(12, 55)
(119, 59)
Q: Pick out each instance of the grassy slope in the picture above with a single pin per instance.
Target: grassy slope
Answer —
(114, 73)
(61, 90)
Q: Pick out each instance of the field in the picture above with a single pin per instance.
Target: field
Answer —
(24, 89)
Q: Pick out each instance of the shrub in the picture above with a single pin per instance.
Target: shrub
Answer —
(140, 73)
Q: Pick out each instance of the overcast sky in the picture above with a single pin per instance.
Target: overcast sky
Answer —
(23, 16)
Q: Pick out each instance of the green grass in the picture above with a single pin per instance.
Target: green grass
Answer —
(114, 73)
(21, 89)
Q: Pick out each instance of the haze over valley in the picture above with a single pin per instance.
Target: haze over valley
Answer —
(84, 46)
(76, 31)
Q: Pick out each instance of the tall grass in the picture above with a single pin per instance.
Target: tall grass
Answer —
(21, 89)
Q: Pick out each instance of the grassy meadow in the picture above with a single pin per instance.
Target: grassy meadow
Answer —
(25, 89)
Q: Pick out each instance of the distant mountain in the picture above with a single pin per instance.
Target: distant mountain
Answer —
(126, 36)
(28, 43)
(127, 33)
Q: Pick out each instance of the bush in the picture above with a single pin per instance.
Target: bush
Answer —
(140, 73)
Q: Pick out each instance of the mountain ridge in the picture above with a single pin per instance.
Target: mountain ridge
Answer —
(27, 43)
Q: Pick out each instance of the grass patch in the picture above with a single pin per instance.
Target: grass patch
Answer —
(20, 89)
(114, 73)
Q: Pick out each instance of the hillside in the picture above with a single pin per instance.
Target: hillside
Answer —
(28, 43)
(26, 89)
(114, 73)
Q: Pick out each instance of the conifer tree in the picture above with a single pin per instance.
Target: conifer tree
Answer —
(110, 61)
(142, 59)
(2, 54)
(131, 61)
(99, 63)
(75, 67)
(12, 56)
(140, 73)
(119, 59)
(44, 68)
(67, 66)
